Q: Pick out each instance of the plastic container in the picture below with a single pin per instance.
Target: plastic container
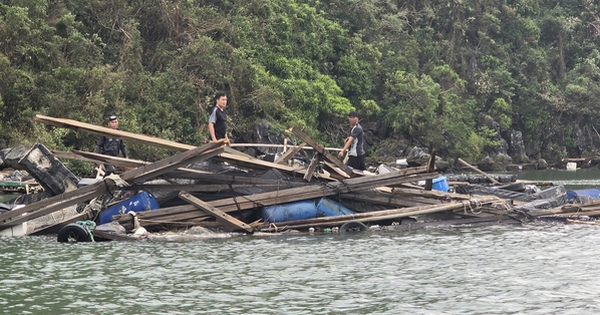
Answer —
(440, 184)
(329, 208)
(141, 202)
(290, 211)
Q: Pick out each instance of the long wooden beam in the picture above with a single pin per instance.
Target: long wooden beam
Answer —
(229, 154)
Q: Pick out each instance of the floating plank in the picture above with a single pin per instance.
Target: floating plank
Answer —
(319, 148)
(86, 193)
(218, 214)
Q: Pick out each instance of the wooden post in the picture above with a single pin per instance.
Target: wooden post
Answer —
(314, 162)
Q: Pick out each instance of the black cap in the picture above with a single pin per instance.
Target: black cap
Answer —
(112, 117)
(353, 114)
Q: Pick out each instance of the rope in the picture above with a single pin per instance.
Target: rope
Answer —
(89, 227)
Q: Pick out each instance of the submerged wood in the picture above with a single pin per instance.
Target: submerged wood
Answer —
(375, 215)
(86, 193)
(288, 195)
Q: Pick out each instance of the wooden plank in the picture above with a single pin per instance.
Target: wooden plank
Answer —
(336, 170)
(218, 214)
(269, 145)
(294, 194)
(376, 215)
(430, 168)
(319, 148)
(388, 199)
(314, 162)
(86, 193)
(229, 154)
(289, 154)
(493, 180)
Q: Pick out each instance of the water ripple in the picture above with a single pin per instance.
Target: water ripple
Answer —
(533, 269)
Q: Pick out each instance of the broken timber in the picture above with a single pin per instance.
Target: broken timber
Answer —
(188, 212)
(86, 193)
(228, 155)
(218, 214)
(319, 148)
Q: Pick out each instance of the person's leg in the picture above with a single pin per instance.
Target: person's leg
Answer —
(108, 169)
(353, 162)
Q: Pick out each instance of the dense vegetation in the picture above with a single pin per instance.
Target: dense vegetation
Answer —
(426, 72)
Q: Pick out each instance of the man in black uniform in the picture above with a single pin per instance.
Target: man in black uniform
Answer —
(217, 122)
(111, 146)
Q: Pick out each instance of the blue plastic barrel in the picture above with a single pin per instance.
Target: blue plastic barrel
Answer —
(290, 211)
(440, 184)
(140, 202)
(330, 208)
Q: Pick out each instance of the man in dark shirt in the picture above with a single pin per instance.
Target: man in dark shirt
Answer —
(354, 144)
(111, 146)
(217, 122)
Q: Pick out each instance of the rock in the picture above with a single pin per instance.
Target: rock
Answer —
(517, 148)
(542, 164)
(417, 157)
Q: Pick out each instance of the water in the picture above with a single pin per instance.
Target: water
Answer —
(528, 269)
(580, 179)
(532, 269)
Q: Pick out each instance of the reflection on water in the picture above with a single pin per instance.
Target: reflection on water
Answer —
(533, 269)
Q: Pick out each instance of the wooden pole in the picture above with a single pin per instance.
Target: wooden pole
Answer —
(493, 180)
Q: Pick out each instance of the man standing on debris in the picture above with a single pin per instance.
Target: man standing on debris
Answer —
(217, 122)
(111, 146)
(354, 144)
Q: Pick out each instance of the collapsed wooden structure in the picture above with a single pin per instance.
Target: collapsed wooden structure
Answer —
(234, 201)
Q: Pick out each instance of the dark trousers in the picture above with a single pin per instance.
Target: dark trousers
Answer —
(357, 162)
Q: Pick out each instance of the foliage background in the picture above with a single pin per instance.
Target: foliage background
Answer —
(424, 72)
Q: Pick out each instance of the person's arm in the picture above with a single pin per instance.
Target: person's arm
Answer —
(349, 141)
(212, 120)
(211, 130)
(227, 143)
